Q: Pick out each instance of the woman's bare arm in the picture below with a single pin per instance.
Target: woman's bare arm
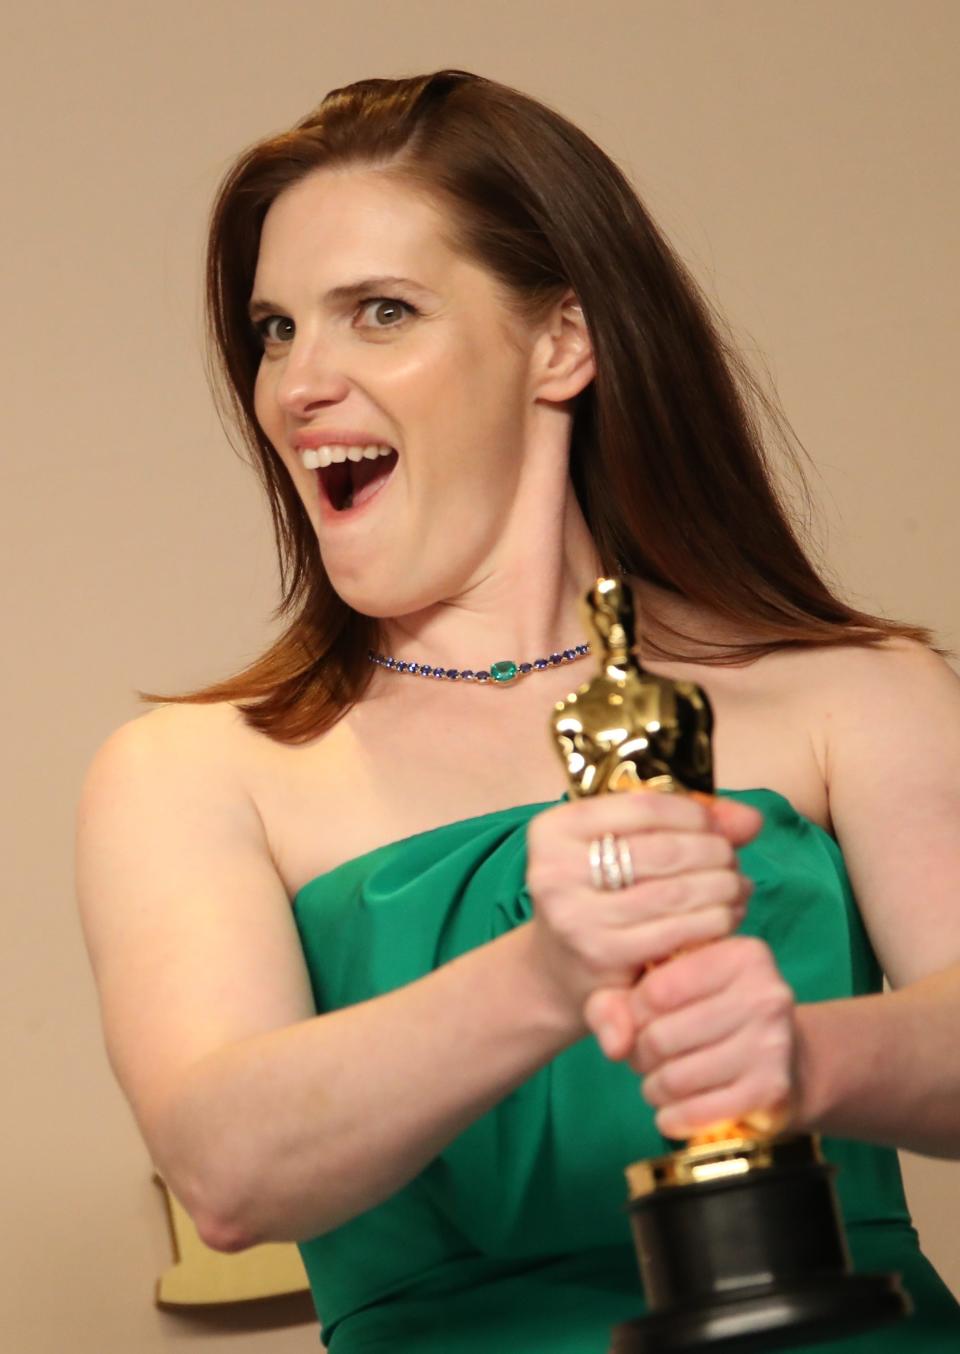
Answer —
(268, 1121)
(886, 1067)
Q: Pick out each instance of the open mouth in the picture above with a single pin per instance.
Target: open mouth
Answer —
(347, 484)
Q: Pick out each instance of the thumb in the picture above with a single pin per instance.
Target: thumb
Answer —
(607, 1013)
(739, 823)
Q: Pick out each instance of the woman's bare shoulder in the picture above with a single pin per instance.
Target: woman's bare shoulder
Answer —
(813, 671)
(212, 720)
(183, 737)
(893, 669)
(898, 683)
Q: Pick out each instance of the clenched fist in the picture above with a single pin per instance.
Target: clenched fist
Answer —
(713, 1034)
(688, 888)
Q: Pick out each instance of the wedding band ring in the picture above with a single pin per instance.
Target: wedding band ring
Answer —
(626, 863)
(596, 874)
(611, 865)
(609, 862)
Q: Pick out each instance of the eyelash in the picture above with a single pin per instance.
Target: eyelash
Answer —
(260, 326)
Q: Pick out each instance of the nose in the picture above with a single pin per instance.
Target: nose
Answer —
(310, 376)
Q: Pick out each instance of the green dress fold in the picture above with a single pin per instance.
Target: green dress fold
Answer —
(516, 1237)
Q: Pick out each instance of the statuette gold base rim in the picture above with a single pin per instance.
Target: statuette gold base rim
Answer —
(700, 1162)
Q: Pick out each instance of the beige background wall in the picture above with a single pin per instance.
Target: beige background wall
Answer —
(802, 157)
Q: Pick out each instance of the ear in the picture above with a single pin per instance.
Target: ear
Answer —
(564, 356)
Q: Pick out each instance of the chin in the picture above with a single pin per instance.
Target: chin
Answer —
(387, 591)
(365, 597)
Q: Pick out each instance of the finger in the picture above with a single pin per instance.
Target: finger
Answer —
(734, 1102)
(655, 855)
(674, 896)
(707, 1068)
(652, 855)
(740, 823)
(644, 810)
(681, 1032)
(695, 976)
(630, 811)
(651, 942)
(626, 950)
(607, 1014)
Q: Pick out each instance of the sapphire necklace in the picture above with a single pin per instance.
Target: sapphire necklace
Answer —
(500, 672)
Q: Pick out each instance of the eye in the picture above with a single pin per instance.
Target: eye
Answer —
(262, 329)
(388, 303)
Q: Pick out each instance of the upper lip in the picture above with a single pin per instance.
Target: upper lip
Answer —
(322, 437)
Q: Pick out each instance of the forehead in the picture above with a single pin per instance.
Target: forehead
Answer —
(356, 221)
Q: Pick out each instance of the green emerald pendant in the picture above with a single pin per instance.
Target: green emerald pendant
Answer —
(504, 671)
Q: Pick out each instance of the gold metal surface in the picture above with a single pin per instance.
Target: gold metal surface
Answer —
(699, 1163)
(627, 729)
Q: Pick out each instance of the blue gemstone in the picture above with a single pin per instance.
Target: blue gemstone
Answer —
(438, 672)
(467, 675)
(540, 663)
(452, 674)
(389, 662)
(555, 659)
(483, 676)
(526, 667)
(401, 665)
(413, 667)
(568, 654)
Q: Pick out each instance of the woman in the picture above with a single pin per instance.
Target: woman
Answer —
(475, 378)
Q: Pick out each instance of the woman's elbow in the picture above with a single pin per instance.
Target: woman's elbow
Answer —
(224, 1234)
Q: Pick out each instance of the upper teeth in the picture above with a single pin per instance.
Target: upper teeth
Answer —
(315, 458)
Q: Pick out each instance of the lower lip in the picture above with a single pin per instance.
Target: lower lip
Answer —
(329, 513)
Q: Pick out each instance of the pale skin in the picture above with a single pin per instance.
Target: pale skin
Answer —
(272, 1122)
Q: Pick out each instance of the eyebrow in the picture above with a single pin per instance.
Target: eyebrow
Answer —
(351, 291)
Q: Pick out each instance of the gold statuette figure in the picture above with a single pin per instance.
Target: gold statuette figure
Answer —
(626, 728)
(739, 1237)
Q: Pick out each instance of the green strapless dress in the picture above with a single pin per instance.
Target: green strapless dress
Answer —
(515, 1239)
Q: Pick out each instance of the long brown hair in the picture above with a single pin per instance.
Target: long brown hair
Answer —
(668, 457)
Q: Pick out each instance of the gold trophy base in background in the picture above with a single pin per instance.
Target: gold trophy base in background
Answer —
(739, 1235)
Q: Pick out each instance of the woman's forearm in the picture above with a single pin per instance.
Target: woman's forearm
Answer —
(286, 1135)
(885, 1068)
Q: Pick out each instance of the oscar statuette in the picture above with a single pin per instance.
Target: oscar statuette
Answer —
(739, 1235)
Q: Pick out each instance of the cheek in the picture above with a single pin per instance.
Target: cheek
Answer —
(468, 402)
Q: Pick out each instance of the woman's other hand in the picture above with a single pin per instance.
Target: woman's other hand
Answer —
(688, 887)
(712, 1033)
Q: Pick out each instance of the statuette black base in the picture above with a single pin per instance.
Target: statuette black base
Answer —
(761, 1319)
(741, 1247)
